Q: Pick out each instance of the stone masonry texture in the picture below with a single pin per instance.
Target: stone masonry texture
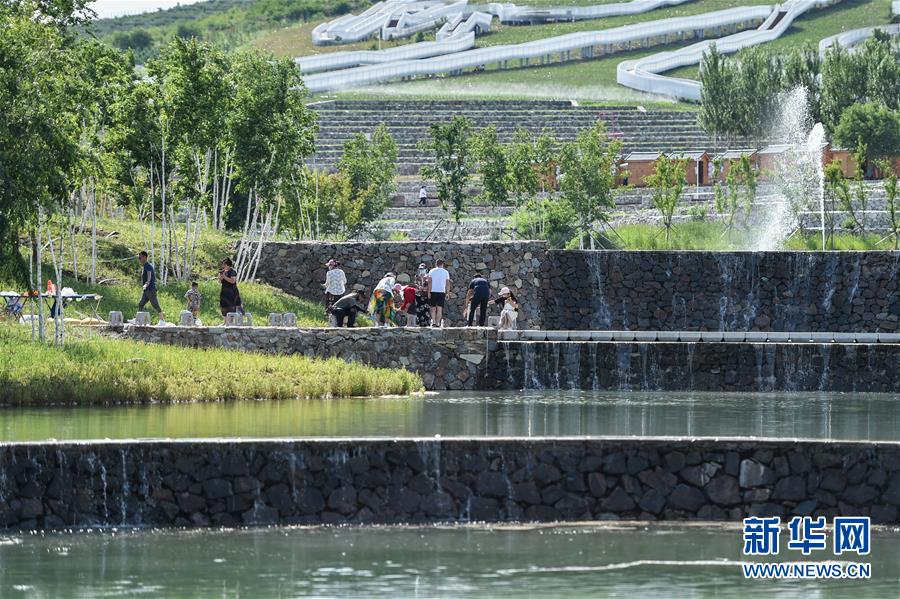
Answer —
(299, 268)
(253, 482)
(630, 290)
(721, 291)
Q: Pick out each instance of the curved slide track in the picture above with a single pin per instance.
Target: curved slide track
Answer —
(396, 19)
(455, 51)
(584, 44)
(643, 74)
(850, 39)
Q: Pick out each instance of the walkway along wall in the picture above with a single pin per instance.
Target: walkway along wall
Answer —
(255, 482)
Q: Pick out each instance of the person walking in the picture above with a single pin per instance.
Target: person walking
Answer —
(148, 286)
(477, 297)
(438, 286)
(423, 196)
(335, 284)
(229, 296)
(194, 297)
(346, 308)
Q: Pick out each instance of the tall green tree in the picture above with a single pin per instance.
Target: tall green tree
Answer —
(450, 145)
(370, 163)
(588, 179)
(718, 78)
(272, 130)
(493, 165)
(39, 129)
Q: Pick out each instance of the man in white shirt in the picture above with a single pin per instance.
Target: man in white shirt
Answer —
(438, 286)
(335, 285)
(423, 196)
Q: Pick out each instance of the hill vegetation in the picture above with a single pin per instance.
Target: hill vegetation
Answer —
(228, 23)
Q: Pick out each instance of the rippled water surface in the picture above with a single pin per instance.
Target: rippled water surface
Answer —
(822, 416)
(597, 560)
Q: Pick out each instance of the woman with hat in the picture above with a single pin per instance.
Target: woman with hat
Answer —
(510, 312)
(335, 285)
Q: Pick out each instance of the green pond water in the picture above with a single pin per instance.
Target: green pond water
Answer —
(544, 413)
(609, 560)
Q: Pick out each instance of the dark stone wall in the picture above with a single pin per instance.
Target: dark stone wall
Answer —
(299, 268)
(695, 366)
(216, 483)
(631, 290)
(721, 291)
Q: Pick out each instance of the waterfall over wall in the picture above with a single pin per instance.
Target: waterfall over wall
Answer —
(661, 366)
(722, 291)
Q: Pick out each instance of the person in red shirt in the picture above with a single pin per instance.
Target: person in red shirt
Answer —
(409, 304)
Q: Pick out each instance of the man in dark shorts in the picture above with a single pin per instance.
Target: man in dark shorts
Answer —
(477, 297)
(347, 308)
(148, 284)
(438, 285)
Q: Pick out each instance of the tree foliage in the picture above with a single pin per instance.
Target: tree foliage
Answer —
(588, 179)
(873, 125)
(493, 166)
(369, 164)
(449, 145)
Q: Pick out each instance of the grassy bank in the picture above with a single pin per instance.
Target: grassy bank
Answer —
(109, 371)
(714, 236)
(118, 274)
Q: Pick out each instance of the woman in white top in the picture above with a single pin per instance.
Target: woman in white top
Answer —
(335, 285)
(510, 312)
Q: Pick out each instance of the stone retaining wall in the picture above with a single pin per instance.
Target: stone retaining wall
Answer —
(632, 290)
(661, 366)
(444, 358)
(223, 483)
(299, 268)
(721, 291)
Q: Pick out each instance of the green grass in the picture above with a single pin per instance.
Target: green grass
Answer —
(108, 371)
(118, 274)
(713, 236)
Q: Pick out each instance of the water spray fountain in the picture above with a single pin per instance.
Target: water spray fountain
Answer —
(799, 175)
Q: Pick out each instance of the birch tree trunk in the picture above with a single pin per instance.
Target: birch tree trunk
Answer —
(59, 331)
(93, 196)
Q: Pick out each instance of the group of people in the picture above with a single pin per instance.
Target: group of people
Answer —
(419, 303)
(229, 296)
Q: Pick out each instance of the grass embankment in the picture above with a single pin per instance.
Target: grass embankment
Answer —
(118, 275)
(109, 371)
(714, 236)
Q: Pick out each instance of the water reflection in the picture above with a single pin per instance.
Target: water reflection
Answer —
(821, 416)
(579, 560)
